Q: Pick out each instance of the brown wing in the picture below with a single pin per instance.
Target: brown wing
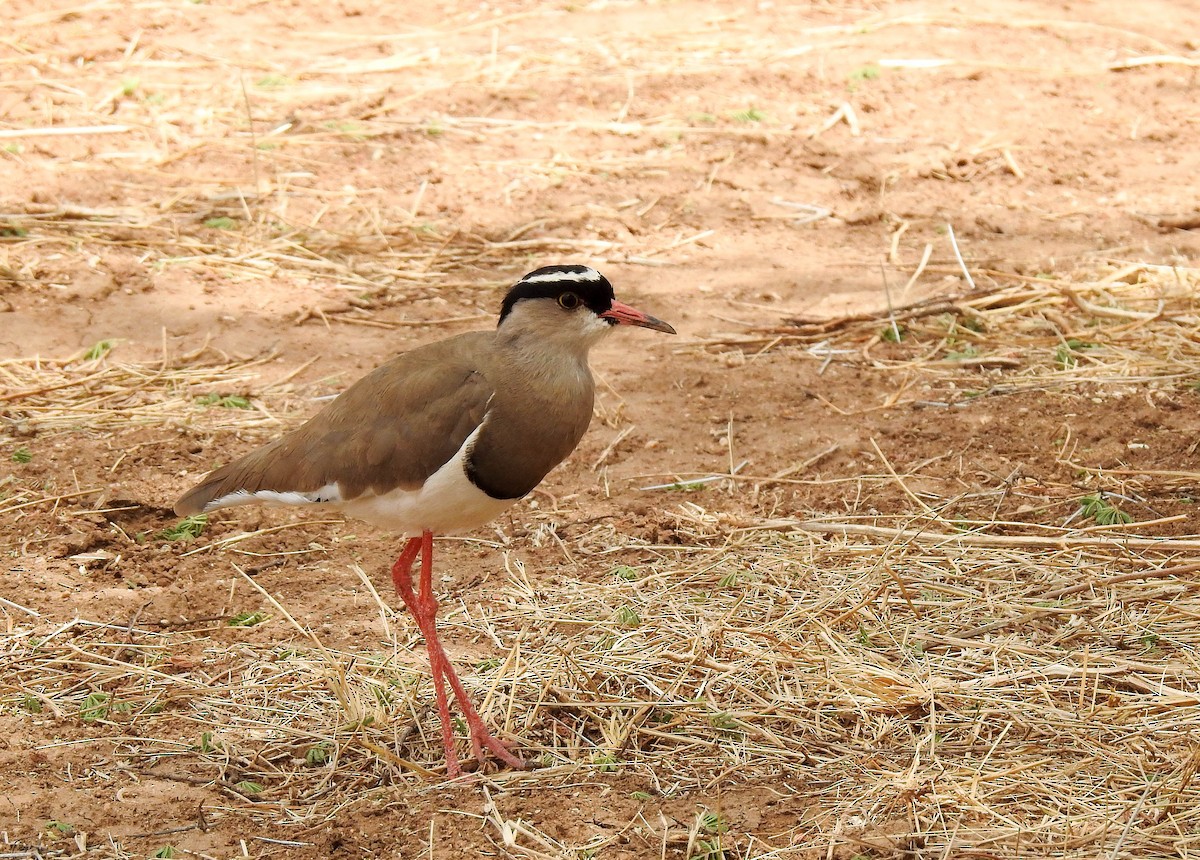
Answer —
(393, 428)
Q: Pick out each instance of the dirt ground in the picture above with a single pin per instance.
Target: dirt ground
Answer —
(250, 204)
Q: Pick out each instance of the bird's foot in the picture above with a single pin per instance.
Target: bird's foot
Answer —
(481, 745)
(481, 738)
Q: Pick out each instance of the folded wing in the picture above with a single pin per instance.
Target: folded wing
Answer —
(393, 428)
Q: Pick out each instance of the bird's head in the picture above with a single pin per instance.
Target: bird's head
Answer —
(570, 304)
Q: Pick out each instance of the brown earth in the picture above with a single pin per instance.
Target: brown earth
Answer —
(404, 164)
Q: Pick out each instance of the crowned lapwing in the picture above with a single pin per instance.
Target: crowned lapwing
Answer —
(442, 439)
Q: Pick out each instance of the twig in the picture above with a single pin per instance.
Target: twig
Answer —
(958, 256)
(63, 131)
(46, 499)
(974, 538)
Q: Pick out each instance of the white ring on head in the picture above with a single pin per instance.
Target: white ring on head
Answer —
(567, 276)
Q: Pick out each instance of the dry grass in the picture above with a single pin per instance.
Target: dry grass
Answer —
(1068, 726)
(48, 396)
(1041, 333)
(925, 686)
(1024, 694)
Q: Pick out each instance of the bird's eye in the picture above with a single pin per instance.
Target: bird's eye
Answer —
(568, 301)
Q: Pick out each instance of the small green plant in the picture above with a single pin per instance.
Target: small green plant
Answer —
(1067, 354)
(713, 825)
(606, 762)
(225, 401)
(31, 703)
(869, 72)
(1101, 510)
(864, 637)
(13, 149)
(351, 130)
(489, 664)
(383, 697)
(317, 755)
(94, 707)
(893, 333)
(248, 787)
(221, 222)
(641, 795)
(22, 455)
(121, 708)
(1149, 640)
(708, 849)
(625, 572)
(273, 82)
(723, 721)
(627, 616)
(10, 231)
(206, 744)
(248, 619)
(729, 580)
(60, 828)
(166, 852)
(187, 528)
(750, 114)
(129, 86)
(99, 350)
(967, 351)
(702, 119)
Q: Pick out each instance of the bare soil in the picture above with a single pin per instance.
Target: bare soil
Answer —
(282, 195)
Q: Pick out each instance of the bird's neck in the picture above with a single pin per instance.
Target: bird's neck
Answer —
(555, 365)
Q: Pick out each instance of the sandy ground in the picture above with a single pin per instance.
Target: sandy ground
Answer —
(275, 197)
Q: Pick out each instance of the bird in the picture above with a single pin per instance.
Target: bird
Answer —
(442, 439)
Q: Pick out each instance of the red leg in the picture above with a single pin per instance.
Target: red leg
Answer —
(427, 603)
(402, 577)
(423, 607)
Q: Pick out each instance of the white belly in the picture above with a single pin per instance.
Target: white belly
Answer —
(447, 503)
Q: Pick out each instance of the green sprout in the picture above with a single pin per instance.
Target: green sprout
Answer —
(99, 350)
(248, 619)
(1101, 510)
(225, 401)
(1067, 354)
(186, 529)
(750, 114)
(94, 707)
(627, 616)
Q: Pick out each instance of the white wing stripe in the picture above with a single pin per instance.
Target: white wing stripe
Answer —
(327, 494)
